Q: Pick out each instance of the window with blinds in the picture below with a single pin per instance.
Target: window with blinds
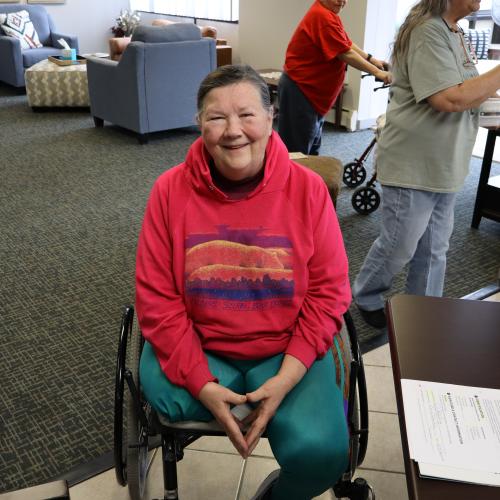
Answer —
(217, 10)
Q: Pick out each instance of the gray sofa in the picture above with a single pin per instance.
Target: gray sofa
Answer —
(14, 60)
(154, 85)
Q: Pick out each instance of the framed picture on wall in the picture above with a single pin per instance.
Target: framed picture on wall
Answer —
(9, 1)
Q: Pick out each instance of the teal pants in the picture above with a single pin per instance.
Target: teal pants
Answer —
(308, 434)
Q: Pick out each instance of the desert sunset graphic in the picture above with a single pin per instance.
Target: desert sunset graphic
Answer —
(219, 268)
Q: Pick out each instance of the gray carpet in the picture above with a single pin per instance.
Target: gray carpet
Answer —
(71, 203)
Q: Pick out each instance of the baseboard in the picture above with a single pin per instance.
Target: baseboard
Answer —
(88, 470)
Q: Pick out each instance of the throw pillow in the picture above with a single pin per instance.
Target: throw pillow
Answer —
(20, 26)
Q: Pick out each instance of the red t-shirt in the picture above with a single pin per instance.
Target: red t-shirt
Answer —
(311, 57)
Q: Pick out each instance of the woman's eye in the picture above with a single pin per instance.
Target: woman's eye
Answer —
(247, 115)
(214, 118)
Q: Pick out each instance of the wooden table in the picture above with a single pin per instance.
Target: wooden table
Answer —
(452, 341)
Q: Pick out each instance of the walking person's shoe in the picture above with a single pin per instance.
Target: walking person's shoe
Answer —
(265, 489)
(375, 318)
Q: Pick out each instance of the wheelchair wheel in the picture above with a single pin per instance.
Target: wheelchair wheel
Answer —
(354, 174)
(120, 437)
(357, 418)
(137, 430)
(365, 200)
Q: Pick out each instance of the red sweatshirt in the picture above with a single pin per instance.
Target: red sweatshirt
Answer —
(244, 279)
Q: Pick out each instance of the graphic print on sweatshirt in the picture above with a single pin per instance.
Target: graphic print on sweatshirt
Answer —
(240, 269)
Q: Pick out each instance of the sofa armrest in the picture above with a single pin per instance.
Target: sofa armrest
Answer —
(11, 69)
(116, 89)
(10, 48)
(72, 40)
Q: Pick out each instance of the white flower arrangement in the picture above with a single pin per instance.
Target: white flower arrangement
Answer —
(126, 23)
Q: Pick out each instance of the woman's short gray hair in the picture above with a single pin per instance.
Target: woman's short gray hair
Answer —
(231, 75)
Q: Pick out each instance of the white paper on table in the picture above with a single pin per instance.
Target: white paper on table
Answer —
(455, 474)
(452, 425)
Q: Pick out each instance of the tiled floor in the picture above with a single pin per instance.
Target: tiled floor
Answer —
(212, 470)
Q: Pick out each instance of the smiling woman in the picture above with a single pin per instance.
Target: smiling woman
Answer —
(241, 283)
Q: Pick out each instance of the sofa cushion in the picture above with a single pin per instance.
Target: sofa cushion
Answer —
(31, 57)
(176, 32)
(19, 25)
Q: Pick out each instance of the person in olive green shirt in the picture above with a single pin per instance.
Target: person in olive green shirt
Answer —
(424, 152)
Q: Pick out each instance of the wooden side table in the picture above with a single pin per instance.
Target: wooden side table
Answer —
(224, 54)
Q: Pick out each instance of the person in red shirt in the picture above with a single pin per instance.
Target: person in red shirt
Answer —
(314, 72)
(241, 284)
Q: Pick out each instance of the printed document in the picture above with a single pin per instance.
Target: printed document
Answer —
(453, 430)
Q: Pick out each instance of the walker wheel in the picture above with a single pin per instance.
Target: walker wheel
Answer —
(365, 200)
(354, 174)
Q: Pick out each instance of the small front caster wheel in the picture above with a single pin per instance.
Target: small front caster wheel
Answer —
(354, 174)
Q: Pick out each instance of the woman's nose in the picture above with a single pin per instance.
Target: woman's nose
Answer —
(233, 127)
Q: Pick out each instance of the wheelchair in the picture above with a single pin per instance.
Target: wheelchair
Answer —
(139, 429)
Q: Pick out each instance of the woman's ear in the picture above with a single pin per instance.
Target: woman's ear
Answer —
(271, 117)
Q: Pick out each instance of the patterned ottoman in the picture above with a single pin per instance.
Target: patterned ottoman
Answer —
(50, 85)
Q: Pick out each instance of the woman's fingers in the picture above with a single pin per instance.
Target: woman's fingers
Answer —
(234, 398)
(256, 396)
(236, 437)
(255, 432)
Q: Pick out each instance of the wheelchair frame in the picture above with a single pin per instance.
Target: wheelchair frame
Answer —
(132, 441)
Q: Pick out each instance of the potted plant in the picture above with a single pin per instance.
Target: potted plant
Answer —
(126, 23)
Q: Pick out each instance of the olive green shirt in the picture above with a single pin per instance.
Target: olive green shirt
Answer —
(419, 147)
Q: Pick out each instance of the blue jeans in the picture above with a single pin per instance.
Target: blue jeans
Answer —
(416, 228)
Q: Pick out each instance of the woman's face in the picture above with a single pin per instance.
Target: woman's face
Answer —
(334, 5)
(235, 128)
(465, 7)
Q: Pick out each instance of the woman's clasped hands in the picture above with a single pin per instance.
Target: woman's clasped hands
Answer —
(245, 433)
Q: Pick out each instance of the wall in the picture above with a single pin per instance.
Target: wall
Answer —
(372, 25)
(266, 28)
(90, 20)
